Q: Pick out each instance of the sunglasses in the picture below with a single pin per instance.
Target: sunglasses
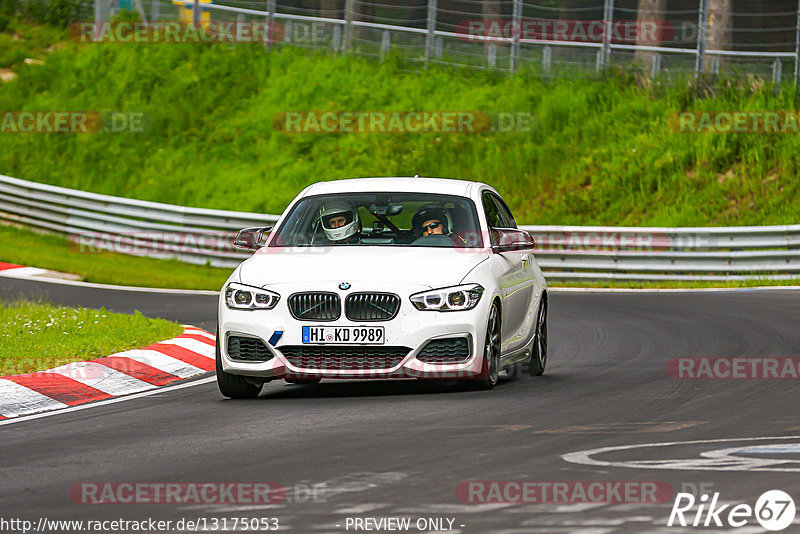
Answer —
(432, 226)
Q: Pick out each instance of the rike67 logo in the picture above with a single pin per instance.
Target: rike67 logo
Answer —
(774, 510)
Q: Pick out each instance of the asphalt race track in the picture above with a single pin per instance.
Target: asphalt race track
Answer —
(401, 449)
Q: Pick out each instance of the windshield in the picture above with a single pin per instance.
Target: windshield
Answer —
(382, 219)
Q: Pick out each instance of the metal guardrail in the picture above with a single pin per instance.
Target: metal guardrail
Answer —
(195, 235)
(101, 222)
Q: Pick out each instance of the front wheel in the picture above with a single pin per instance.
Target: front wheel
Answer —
(234, 386)
(490, 368)
(539, 353)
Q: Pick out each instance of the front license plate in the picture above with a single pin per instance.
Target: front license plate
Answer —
(332, 335)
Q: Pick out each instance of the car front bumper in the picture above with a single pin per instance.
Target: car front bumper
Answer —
(410, 328)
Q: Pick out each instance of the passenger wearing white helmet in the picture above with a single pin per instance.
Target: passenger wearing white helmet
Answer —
(341, 223)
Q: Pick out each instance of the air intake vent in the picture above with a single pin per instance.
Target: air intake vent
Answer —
(365, 307)
(449, 350)
(344, 357)
(248, 349)
(315, 306)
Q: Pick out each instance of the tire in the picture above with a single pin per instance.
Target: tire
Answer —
(301, 381)
(234, 386)
(490, 368)
(539, 354)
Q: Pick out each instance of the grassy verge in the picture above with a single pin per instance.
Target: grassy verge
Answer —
(599, 151)
(23, 40)
(35, 336)
(56, 253)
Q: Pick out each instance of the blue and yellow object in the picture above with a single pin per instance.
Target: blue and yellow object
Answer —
(185, 12)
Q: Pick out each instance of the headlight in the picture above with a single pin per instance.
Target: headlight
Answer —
(242, 297)
(455, 298)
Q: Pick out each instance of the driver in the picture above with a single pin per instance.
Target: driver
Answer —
(430, 221)
(341, 223)
(434, 220)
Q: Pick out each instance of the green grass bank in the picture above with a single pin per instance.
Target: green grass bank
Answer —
(55, 335)
(598, 152)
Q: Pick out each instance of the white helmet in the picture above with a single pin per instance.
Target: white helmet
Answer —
(351, 226)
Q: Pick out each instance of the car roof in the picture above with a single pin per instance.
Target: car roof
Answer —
(444, 186)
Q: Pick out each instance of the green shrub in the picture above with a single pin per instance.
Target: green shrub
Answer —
(8, 7)
(127, 15)
(4, 22)
(58, 13)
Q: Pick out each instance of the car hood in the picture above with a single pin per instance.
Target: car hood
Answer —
(431, 267)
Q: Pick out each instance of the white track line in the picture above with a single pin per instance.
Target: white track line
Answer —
(78, 283)
(165, 389)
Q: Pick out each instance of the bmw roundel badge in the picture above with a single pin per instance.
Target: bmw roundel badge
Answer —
(344, 286)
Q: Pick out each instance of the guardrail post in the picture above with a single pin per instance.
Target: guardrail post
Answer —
(701, 38)
(608, 21)
(271, 6)
(337, 38)
(547, 58)
(431, 27)
(386, 43)
(777, 72)
(348, 25)
(656, 67)
(797, 46)
(239, 27)
(196, 14)
(517, 29)
(491, 55)
(98, 18)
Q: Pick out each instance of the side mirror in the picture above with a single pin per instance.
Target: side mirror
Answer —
(511, 240)
(251, 238)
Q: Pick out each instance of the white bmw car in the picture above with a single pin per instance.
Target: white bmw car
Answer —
(384, 278)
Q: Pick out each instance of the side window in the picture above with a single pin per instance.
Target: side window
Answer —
(493, 218)
(505, 213)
